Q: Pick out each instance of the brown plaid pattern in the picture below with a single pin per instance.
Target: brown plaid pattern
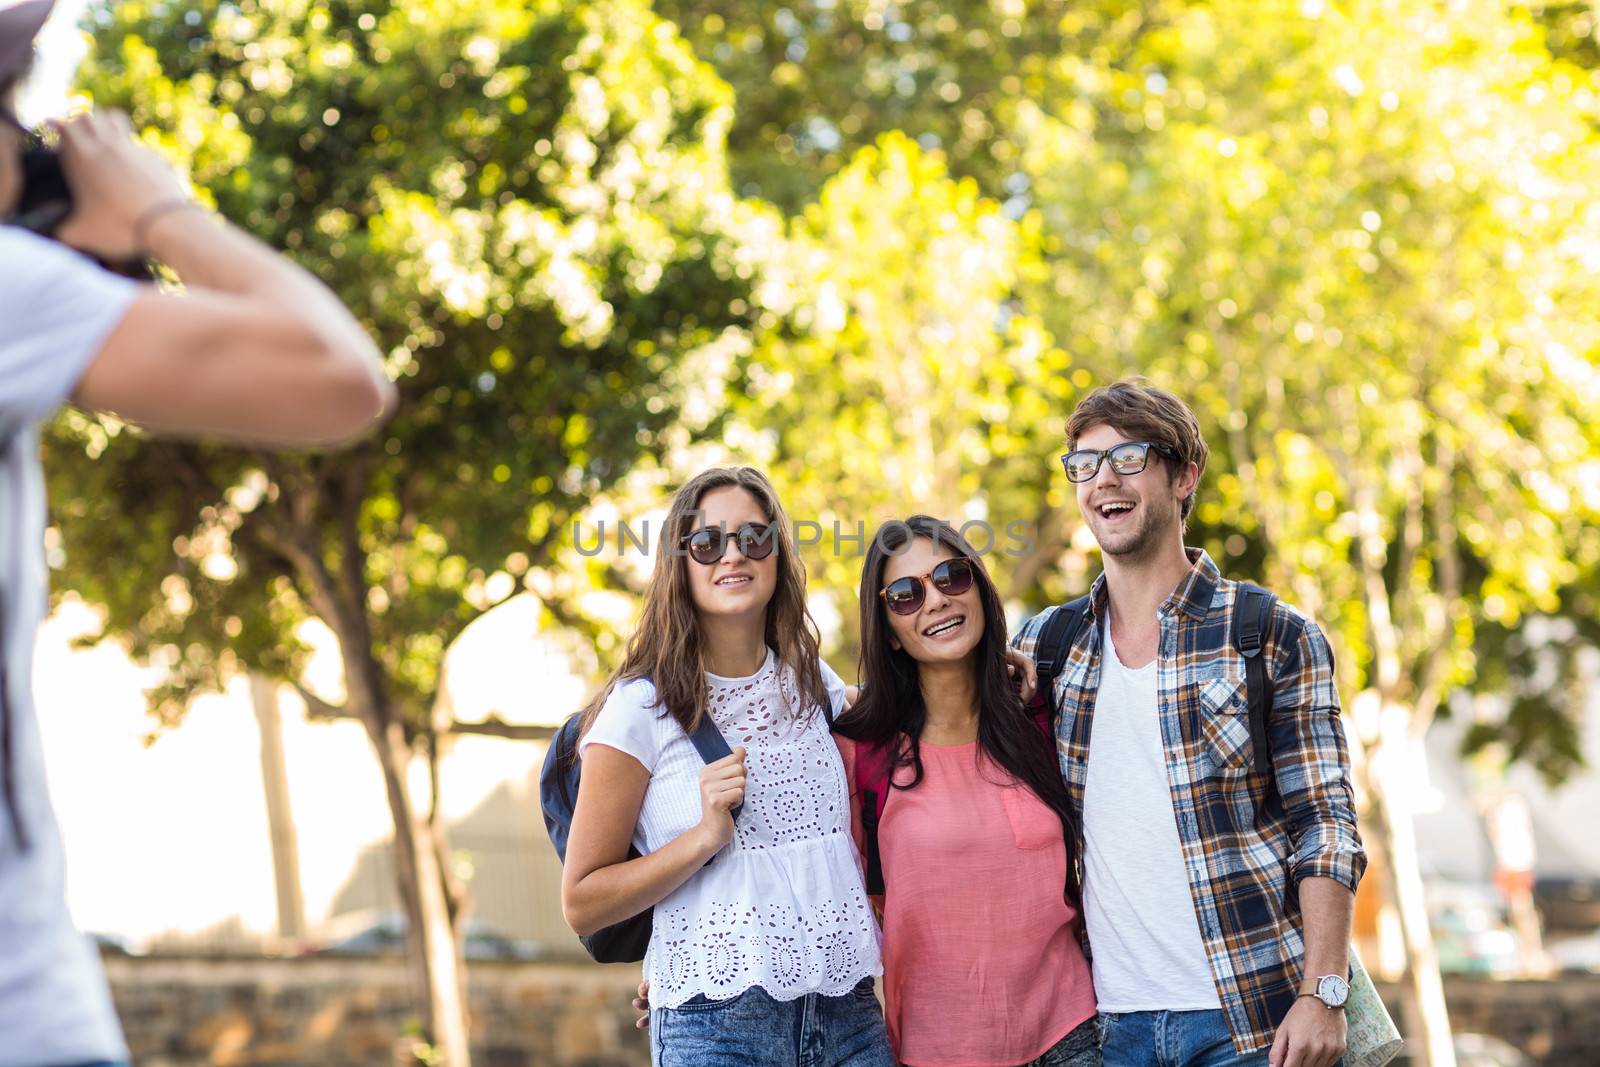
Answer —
(1245, 849)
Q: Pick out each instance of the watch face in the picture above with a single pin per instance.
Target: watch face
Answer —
(1332, 990)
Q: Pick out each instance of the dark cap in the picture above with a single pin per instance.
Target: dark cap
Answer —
(19, 23)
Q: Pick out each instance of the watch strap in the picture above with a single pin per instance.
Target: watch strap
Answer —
(1308, 988)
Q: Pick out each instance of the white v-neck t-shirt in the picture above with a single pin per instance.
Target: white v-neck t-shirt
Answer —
(783, 905)
(56, 310)
(1137, 908)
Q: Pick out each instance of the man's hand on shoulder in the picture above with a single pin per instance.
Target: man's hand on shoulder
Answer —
(1024, 675)
(642, 1003)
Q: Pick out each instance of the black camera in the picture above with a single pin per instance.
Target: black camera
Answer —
(46, 199)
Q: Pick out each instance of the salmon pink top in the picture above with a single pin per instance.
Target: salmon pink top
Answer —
(981, 961)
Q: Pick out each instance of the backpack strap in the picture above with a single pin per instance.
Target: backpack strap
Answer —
(1252, 611)
(1055, 642)
(712, 746)
(872, 784)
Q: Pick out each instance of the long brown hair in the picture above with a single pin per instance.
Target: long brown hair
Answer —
(891, 712)
(668, 648)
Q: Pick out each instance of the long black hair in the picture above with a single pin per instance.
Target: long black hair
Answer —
(890, 711)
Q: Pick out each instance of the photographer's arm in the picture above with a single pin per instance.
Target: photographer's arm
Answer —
(255, 350)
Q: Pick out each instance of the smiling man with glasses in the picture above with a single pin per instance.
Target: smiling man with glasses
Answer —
(1220, 852)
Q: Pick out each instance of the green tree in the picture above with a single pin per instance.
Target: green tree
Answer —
(528, 205)
(894, 372)
(1360, 239)
(818, 80)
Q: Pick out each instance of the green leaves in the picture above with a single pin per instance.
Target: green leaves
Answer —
(901, 373)
(1358, 238)
(1339, 231)
(527, 204)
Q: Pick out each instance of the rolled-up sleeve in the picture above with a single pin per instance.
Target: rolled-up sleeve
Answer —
(1311, 761)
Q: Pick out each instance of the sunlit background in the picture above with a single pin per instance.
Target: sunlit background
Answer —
(879, 250)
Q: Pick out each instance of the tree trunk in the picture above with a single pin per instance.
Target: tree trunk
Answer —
(1396, 836)
(1390, 763)
(430, 939)
(280, 816)
(339, 597)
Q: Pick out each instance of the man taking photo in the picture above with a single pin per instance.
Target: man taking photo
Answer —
(254, 350)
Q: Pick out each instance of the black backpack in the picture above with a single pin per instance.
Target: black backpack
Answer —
(1252, 608)
(626, 941)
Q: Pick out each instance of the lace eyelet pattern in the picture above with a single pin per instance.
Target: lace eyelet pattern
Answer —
(783, 906)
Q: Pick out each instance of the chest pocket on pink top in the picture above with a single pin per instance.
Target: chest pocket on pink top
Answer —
(1033, 824)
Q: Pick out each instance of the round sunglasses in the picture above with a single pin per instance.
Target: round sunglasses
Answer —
(904, 596)
(707, 544)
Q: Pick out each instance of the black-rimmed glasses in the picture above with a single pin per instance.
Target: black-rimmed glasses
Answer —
(1130, 457)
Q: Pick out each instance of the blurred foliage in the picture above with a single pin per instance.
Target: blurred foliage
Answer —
(902, 376)
(818, 79)
(527, 204)
(1570, 30)
(1360, 237)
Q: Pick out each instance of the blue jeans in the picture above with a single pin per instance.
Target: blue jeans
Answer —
(753, 1030)
(1171, 1039)
(1080, 1048)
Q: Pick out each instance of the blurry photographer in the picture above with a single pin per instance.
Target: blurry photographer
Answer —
(255, 350)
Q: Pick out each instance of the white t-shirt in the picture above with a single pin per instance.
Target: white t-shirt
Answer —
(1148, 954)
(783, 906)
(56, 309)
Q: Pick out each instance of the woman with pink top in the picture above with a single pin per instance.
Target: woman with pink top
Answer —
(982, 962)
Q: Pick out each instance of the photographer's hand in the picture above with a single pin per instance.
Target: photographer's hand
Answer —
(116, 183)
(264, 352)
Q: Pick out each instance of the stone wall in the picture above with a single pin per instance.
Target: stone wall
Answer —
(1556, 1023)
(324, 1012)
(327, 1012)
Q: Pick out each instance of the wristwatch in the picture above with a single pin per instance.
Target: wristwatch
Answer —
(1332, 990)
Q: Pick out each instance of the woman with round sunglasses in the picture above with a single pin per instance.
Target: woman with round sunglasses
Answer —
(763, 947)
(983, 966)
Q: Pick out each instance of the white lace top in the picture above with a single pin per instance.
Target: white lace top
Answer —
(783, 905)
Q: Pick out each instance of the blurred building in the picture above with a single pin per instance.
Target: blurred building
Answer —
(169, 839)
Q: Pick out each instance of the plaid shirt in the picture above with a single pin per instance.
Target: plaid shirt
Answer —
(1245, 851)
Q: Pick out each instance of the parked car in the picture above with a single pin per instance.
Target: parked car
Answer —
(1470, 931)
(112, 944)
(363, 934)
